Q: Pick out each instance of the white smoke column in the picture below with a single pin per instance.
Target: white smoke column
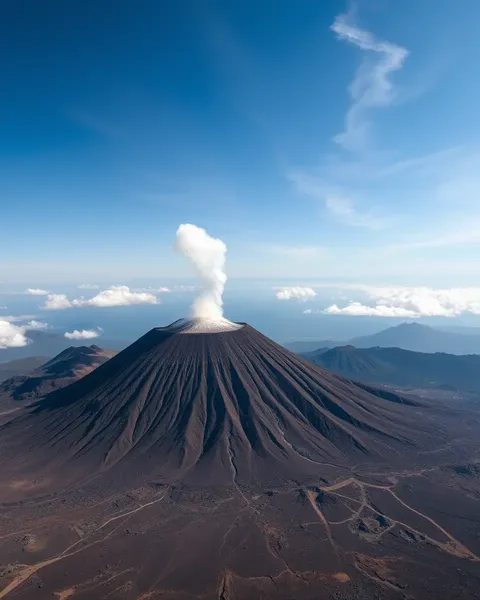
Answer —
(208, 256)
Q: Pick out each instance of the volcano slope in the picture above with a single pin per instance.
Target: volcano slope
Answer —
(205, 461)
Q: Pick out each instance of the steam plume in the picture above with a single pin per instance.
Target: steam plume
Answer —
(208, 256)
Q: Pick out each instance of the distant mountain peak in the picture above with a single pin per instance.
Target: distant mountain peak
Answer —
(410, 326)
(65, 368)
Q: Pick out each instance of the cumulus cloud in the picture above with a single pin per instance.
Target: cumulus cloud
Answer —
(117, 295)
(12, 336)
(413, 302)
(39, 325)
(57, 302)
(37, 292)
(296, 292)
(208, 255)
(87, 286)
(372, 86)
(84, 334)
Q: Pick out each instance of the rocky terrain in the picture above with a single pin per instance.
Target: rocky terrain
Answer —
(215, 464)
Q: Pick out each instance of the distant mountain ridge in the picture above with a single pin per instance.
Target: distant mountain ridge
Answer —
(21, 366)
(47, 344)
(407, 336)
(62, 370)
(401, 368)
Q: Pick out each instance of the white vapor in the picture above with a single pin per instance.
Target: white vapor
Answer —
(208, 256)
(57, 302)
(37, 292)
(12, 336)
(117, 295)
(299, 293)
(371, 87)
(38, 325)
(413, 302)
(84, 334)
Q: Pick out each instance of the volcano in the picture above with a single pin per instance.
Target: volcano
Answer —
(212, 402)
(206, 461)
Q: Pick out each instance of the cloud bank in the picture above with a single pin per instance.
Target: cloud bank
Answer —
(208, 256)
(37, 292)
(298, 293)
(358, 309)
(413, 302)
(84, 334)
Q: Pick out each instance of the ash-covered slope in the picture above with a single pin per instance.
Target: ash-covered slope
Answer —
(58, 372)
(212, 405)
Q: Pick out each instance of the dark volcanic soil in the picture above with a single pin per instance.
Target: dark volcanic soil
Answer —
(221, 466)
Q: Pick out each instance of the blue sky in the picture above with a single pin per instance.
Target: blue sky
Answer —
(320, 140)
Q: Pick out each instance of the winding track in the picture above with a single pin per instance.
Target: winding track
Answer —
(30, 570)
(453, 546)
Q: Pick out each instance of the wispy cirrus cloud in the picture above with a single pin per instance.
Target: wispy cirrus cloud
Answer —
(331, 181)
(460, 234)
(337, 201)
(372, 86)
